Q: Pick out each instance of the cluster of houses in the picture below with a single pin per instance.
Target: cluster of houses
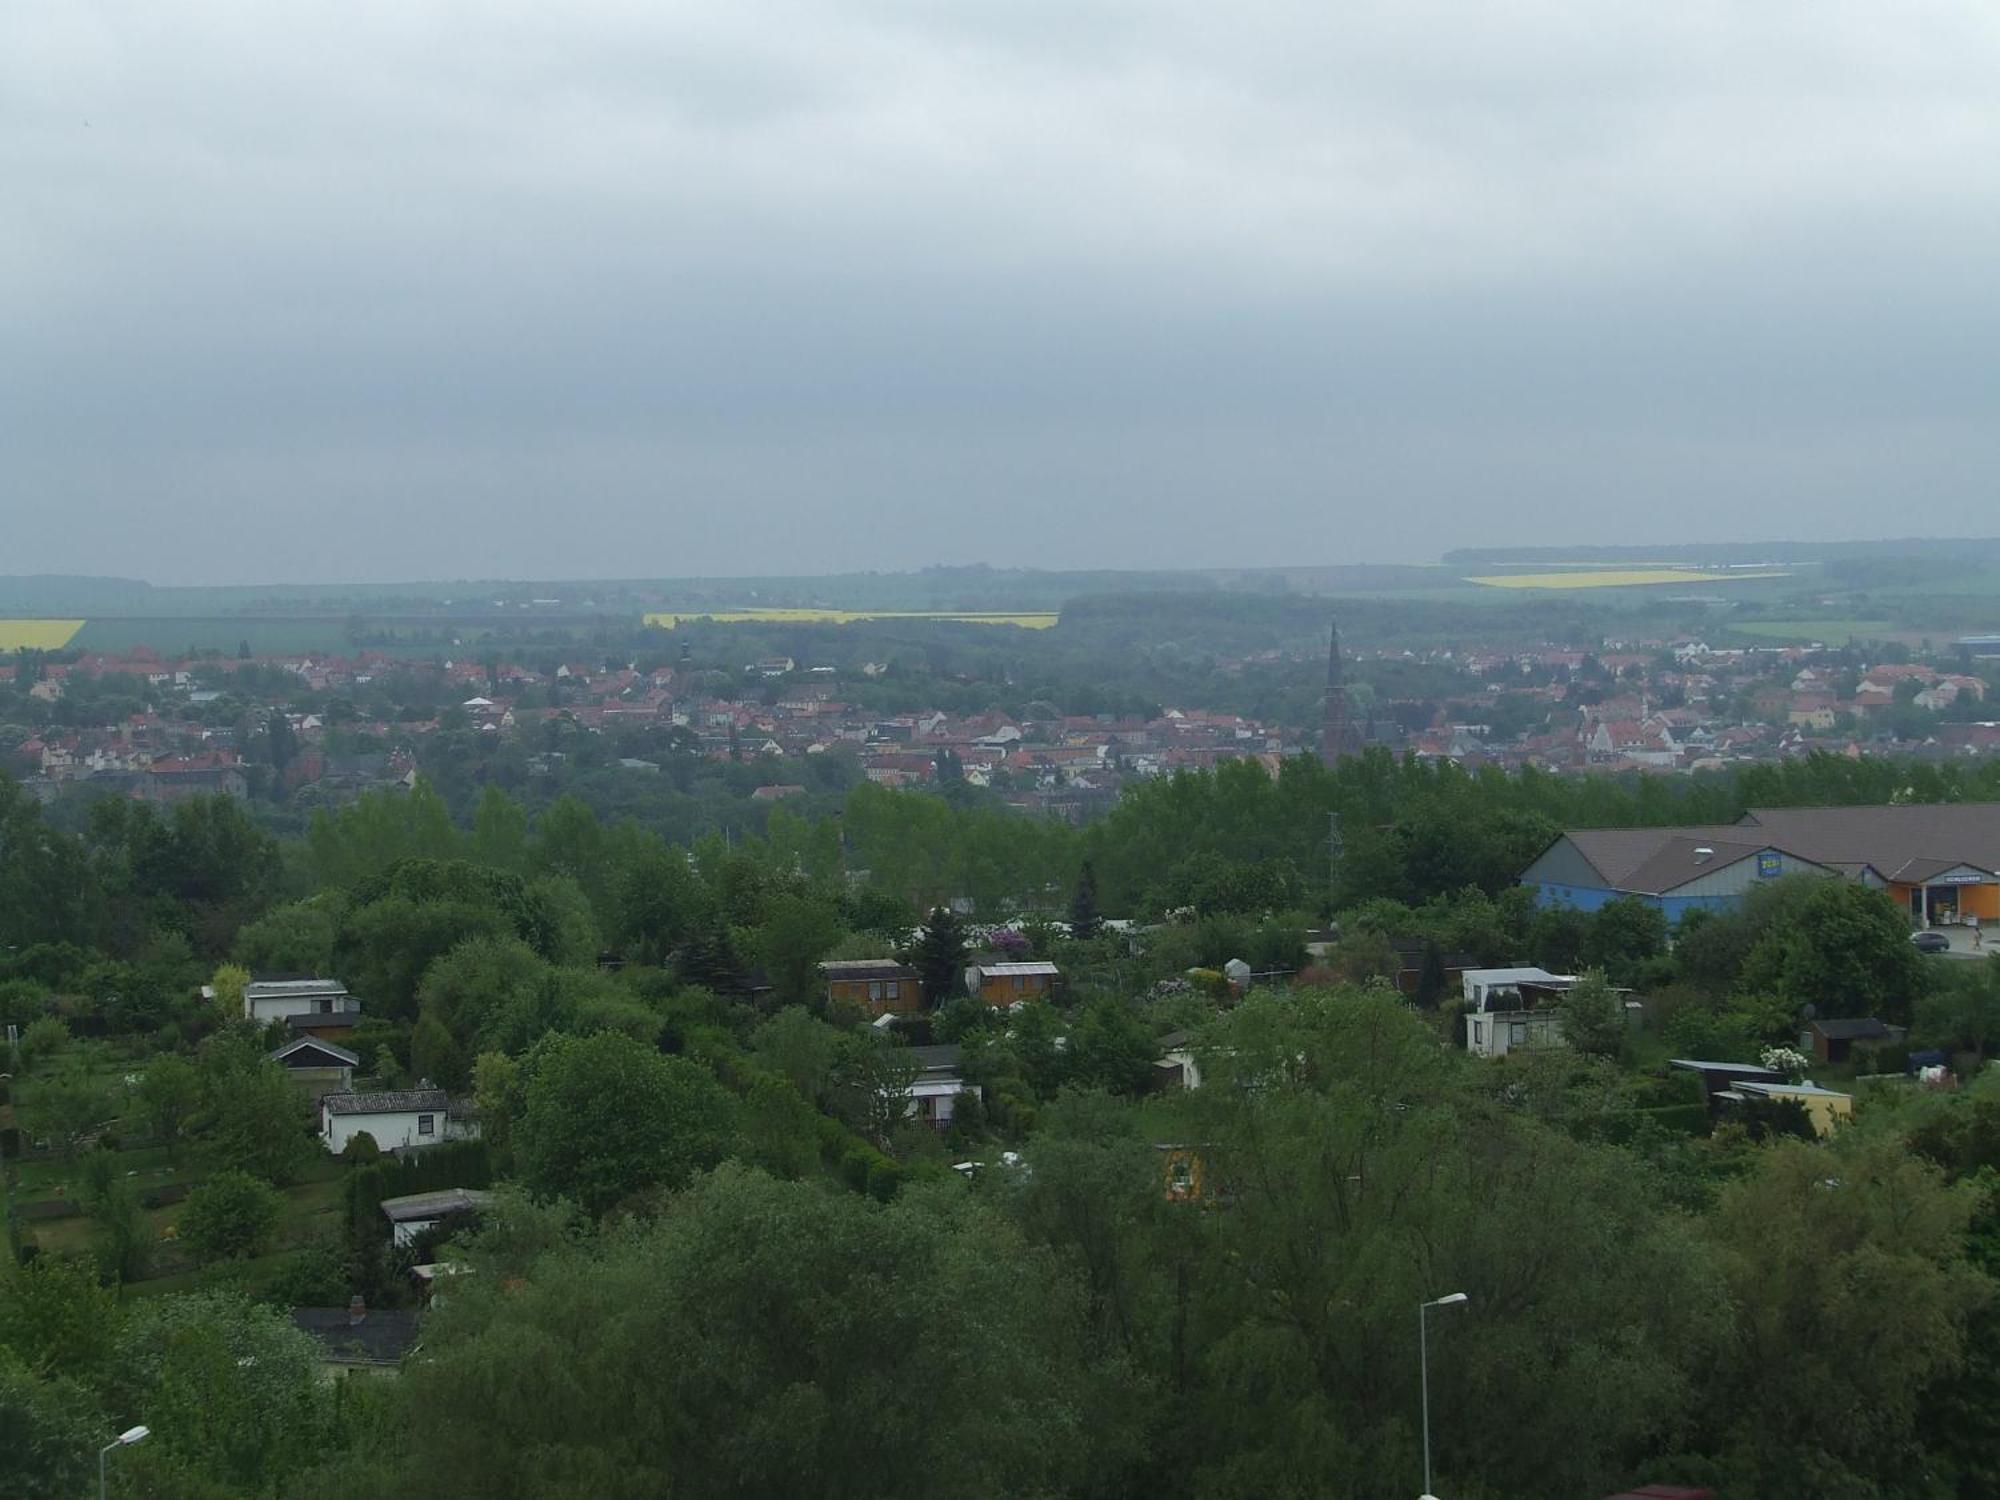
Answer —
(880, 987)
(320, 1016)
(1671, 705)
(1682, 705)
(1066, 765)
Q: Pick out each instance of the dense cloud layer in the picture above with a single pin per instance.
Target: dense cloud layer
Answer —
(415, 289)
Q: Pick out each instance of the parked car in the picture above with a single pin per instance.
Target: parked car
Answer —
(1931, 942)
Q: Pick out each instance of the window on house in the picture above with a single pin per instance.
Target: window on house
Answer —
(895, 989)
(1478, 1033)
(426, 1124)
(1517, 1033)
(874, 989)
(1020, 981)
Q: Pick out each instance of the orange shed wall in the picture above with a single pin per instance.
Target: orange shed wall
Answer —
(1001, 991)
(855, 992)
(1981, 901)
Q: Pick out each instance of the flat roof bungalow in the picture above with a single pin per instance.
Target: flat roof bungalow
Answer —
(412, 1213)
(1825, 1108)
(278, 998)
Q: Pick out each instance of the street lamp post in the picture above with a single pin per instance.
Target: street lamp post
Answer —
(124, 1439)
(1455, 1299)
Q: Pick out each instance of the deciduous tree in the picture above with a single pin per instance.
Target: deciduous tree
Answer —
(604, 1116)
(230, 1216)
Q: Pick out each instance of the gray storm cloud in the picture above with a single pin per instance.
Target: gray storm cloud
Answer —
(418, 289)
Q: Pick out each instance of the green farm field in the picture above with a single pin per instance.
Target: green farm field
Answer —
(1833, 632)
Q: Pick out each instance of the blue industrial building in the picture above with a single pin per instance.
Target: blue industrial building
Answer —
(1940, 862)
(1676, 869)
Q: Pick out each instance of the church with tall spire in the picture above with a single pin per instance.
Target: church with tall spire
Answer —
(1339, 733)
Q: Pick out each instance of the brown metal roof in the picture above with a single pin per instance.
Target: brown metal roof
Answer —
(1926, 839)
(1908, 844)
(1681, 859)
(1659, 859)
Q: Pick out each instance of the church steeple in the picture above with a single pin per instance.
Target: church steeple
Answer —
(1338, 733)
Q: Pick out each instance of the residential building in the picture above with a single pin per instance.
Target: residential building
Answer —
(875, 986)
(934, 1091)
(320, 1067)
(398, 1119)
(277, 998)
(1832, 1041)
(1512, 1010)
(1010, 983)
(1718, 1079)
(1824, 1108)
(357, 1339)
(412, 1213)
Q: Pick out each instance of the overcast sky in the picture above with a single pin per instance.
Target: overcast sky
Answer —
(407, 289)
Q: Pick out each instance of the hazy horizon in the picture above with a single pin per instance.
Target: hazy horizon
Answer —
(617, 291)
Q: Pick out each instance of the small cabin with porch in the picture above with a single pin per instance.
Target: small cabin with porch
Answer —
(934, 1091)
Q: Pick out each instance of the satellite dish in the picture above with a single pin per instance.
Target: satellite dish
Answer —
(1808, 1011)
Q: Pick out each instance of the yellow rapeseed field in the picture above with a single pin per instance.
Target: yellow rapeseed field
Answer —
(1614, 578)
(37, 635)
(1028, 621)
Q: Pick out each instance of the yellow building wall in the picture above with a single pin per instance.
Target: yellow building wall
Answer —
(1825, 1111)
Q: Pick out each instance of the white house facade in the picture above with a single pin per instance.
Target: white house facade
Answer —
(413, 1213)
(1510, 1010)
(398, 1120)
(275, 999)
(933, 1093)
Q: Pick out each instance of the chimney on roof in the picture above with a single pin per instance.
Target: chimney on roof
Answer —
(357, 1310)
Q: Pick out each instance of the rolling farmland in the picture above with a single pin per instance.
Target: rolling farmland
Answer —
(37, 635)
(1616, 578)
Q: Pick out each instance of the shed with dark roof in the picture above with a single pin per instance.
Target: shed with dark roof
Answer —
(1832, 1041)
(357, 1337)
